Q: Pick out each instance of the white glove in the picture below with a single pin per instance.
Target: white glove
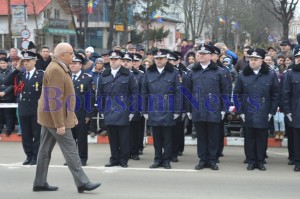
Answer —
(289, 116)
(270, 116)
(101, 116)
(243, 117)
(189, 115)
(175, 116)
(222, 115)
(130, 116)
(183, 116)
(145, 116)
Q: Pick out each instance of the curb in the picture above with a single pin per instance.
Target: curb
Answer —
(228, 141)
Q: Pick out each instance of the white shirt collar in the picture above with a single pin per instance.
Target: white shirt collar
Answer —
(114, 71)
(256, 71)
(77, 75)
(160, 69)
(30, 72)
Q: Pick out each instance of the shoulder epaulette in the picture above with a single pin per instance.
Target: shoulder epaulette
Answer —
(141, 71)
(86, 74)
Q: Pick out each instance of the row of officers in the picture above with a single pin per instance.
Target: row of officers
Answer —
(167, 93)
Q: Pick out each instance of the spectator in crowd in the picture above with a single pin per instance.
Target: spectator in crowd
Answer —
(45, 59)
(241, 63)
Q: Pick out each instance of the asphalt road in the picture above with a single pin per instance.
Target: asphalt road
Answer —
(138, 182)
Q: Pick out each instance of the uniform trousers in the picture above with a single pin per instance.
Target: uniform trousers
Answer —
(162, 141)
(256, 144)
(118, 136)
(68, 147)
(135, 134)
(296, 133)
(31, 132)
(178, 138)
(80, 135)
(290, 138)
(207, 141)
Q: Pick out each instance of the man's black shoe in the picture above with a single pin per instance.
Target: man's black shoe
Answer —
(200, 166)
(88, 187)
(124, 165)
(214, 166)
(297, 168)
(291, 162)
(174, 159)
(111, 164)
(156, 165)
(167, 165)
(250, 167)
(33, 162)
(44, 188)
(135, 157)
(261, 167)
(27, 161)
(83, 163)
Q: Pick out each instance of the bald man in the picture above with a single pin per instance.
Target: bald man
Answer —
(56, 116)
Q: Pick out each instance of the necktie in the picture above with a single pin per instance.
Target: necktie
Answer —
(27, 75)
(74, 77)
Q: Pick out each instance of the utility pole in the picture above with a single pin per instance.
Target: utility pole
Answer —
(147, 26)
(85, 3)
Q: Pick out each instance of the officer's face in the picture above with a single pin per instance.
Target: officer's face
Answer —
(136, 64)
(115, 63)
(203, 58)
(29, 64)
(75, 67)
(160, 61)
(214, 57)
(3, 65)
(297, 60)
(127, 63)
(171, 61)
(255, 63)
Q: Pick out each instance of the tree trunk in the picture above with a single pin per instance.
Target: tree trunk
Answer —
(285, 30)
(125, 11)
(9, 25)
(112, 17)
(37, 36)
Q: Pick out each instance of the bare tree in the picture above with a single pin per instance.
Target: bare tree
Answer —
(9, 24)
(112, 17)
(283, 11)
(33, 4)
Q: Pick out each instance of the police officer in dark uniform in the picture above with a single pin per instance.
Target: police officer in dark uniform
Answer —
(215, 59)
(161, 104)
(116, 87)
(105, 57)
(178, 129)
(257, 88)
(207, 83)
(135, 123)
(137, 64)
(84, 103)
(291, 99)
(6, 96)
(28, 91)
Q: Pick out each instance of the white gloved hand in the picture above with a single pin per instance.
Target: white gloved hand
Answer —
(189, 115)
(130, 116)
(222, 115)
(183, 116)
(101, 116)
(243, 117)
(289, 116)
(145, 116)
(175, 116)
(269, 117)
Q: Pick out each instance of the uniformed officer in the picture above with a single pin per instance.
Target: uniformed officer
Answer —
(207, 83)
(137, 64)
(116, 87)
(215, 58)
(136, 122)
(28, 91)
(291, 99)
(83, 89)
(178, 129)
(161, 104)
(6, 96)
(256, 97)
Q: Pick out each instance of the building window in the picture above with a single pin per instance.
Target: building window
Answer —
(171, 41)
(56, 14)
